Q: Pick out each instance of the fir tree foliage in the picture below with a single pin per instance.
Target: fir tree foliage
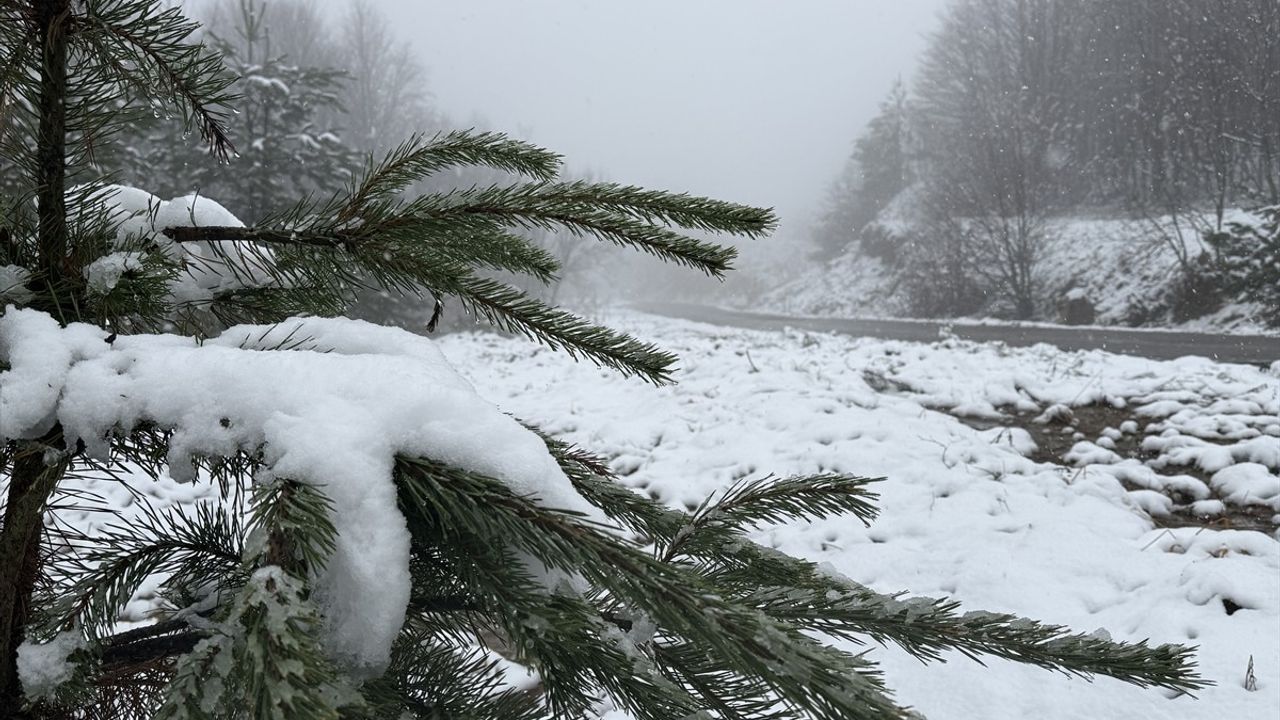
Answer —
(661, 613)
(1247, 260)
(284, 149)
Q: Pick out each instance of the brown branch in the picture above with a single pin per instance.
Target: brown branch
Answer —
(33, 479)
(143, 649)
(118, 658)
(339, 239)
(143, 633)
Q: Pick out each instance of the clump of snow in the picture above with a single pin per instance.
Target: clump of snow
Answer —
(1019, 440)
(1248, 484)
(131, 210)
(1186, 449)
(39, 359)
(1208, 508)
(210, 267)
(43, 668)
(330, 402)
(1153, 503)
(271, 83)
(104, 273)
(1087, 453)
(13, 282)
(1057, 413)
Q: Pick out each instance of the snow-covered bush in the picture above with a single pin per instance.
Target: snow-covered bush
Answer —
(1247, 263)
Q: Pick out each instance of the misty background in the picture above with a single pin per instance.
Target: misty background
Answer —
(753, 101)
(1107, 162)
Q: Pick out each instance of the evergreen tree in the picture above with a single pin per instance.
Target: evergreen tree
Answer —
(840, 218)
(875, 173)
(882, 152)
(357, 561)
(299, 29)
(283, 149)
(1247, 261)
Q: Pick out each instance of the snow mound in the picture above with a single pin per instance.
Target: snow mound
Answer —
(329, 402)
(104, 273)
(1248, 483)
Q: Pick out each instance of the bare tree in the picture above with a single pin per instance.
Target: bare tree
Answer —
(387, 97)
(299, 32)
(1260, 78)
(988, 97)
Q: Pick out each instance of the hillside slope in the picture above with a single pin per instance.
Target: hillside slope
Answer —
(1126, 268)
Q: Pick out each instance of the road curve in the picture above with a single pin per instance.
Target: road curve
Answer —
(1160, 345)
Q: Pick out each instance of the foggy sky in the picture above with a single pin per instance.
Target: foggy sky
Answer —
(749, 100)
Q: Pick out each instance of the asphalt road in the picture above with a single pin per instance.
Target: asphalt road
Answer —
(1161, 345)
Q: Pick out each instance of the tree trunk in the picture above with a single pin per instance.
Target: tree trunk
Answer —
(51, 147)
(33, 479)
(31, 483)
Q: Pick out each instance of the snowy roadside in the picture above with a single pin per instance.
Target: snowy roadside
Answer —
(1200, 325)
(966, 511)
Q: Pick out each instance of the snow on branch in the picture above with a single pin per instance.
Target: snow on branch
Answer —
(328, 402)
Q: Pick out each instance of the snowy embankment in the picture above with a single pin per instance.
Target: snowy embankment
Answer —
(966, 512)
(1126, 268)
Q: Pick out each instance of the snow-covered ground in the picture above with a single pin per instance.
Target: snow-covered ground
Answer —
(966, 512)
(1125, 267)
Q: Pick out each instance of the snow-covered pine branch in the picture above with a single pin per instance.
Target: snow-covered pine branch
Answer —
(327, 402)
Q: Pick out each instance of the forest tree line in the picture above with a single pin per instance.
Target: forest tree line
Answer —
(1024, 110)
